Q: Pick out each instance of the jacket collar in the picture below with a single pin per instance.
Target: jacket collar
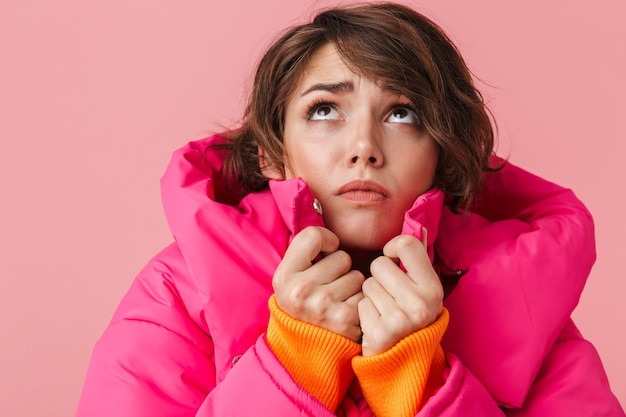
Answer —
(297, 206)
(426, 212)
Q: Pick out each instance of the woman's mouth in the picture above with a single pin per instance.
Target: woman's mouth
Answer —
(363, 191)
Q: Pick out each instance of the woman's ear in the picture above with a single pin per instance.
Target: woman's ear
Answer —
(268, 168)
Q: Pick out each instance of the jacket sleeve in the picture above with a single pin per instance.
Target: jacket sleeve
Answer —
(527, 248)
(461, 395)
(573, 365)
(154, 360)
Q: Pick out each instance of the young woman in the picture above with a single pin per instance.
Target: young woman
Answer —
(355, 248)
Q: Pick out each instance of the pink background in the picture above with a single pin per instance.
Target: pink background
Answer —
(95, 95)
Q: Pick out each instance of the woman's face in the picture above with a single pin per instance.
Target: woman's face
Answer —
(361, 149)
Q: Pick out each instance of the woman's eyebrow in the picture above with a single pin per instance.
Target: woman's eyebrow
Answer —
(339, 87)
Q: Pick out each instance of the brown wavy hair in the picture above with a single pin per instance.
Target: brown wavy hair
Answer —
(384, 42)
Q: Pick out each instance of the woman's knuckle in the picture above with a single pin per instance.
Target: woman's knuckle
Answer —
(378, 263)
(309, 234)
(406, 240)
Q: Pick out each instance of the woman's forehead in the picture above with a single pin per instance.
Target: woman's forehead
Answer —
(328, 71)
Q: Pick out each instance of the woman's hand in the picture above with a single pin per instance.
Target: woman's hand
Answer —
(398, 303)
(324, 293)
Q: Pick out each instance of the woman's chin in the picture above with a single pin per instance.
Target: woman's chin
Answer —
(373, 241)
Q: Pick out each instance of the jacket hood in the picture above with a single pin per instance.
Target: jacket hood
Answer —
(194, 184)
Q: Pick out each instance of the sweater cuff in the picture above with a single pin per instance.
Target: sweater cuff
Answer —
(317, 359)
(399, 381)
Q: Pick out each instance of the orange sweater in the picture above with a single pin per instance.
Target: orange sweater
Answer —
(394, 383)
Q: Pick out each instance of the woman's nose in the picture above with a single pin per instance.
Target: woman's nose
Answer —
(365, 145)
(372, 159)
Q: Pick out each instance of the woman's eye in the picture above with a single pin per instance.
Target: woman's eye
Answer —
(323, 112)
(402, 115)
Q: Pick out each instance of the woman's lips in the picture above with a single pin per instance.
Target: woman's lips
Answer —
(363, 191)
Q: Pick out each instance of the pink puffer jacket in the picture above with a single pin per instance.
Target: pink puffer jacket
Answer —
(188, 337)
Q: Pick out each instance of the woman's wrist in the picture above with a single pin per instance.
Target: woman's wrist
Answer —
(317, 359)
(398, 381)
